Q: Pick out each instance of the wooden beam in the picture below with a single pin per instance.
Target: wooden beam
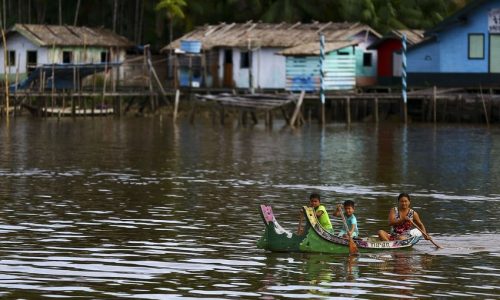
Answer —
(297, 109)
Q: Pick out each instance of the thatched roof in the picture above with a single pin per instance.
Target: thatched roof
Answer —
(282, 35)
(312, 49)
(53, 35)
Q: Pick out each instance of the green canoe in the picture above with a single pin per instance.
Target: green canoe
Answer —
(315, 239)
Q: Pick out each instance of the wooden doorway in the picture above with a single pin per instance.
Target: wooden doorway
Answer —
(227, 79)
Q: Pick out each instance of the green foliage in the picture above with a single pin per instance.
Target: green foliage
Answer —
(172, 7)
(143, 20)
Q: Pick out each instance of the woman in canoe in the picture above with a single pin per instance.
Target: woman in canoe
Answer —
(403, 220)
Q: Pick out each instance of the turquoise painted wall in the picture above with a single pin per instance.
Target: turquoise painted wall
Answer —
(302, 72)
(362, 71)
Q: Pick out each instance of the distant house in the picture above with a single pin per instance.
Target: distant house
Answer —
(244, 55)
(303, 67)
(30, 46)
(389, 54)
(462, 50)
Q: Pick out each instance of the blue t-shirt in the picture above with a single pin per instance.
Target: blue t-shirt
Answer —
(350, 222)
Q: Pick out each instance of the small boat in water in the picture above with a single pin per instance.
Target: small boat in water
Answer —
(316, 239)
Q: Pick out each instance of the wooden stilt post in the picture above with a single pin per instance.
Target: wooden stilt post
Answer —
(222, 115)
(484, 107)
(434, 104)
(176, 103)
(376, 110)
(348, 110)
(253, 114)
(297, 109)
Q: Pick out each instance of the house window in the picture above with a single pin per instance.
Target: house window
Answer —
(11, 58)
(67, 57)
(105, 56)
(245, 60)
(32, 60)
(476, 46)
(342, 52)
(367, 59)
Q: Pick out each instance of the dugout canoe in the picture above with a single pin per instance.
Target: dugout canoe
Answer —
(316, 239)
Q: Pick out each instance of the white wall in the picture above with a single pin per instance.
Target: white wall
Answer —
(21, 45)
(269, 69)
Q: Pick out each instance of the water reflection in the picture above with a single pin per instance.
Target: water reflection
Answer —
(143, 208)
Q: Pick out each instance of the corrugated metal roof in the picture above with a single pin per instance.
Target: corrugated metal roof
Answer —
(413, 37)
(54, 35)
(313, 48)
(282, 35)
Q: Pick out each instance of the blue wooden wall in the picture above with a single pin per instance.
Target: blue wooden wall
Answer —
(449, 52)
(302, 72)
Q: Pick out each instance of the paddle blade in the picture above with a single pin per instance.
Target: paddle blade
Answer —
(353, 249)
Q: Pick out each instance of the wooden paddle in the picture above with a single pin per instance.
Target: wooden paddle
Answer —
(353, 249)
(425, 234)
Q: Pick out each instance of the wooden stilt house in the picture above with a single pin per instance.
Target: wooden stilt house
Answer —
(29, 46)
(389, 54)
(243, 55)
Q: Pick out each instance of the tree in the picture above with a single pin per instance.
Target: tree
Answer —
(173, 10)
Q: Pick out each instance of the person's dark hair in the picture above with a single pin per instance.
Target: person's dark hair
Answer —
(404, 195)
(349, 203)
(315, 196)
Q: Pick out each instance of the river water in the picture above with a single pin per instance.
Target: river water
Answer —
(139, 208)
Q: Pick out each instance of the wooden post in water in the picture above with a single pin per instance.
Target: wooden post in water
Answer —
(348, 110)
(434, 104)
(376, 110)
(6, 74)
(16, 83)
(222, 115)
(176, 103)
(484, 106)
(73, 104)
(269, 119)
(297, 108)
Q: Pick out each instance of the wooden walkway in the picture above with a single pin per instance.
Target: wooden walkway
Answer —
(252, 103)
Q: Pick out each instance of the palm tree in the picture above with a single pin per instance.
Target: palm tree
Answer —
(173, 10)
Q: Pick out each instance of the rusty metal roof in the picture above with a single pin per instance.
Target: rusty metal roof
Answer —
(55, 35)
(282, 35)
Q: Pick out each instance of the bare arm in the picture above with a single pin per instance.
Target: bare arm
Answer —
(337, 211)
(420, 225)
(353, 228)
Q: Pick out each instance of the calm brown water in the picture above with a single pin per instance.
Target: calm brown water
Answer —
(137, 208)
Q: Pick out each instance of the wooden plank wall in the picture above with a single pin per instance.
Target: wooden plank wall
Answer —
(302, 72)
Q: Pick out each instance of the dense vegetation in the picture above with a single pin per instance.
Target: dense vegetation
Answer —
(148, 21)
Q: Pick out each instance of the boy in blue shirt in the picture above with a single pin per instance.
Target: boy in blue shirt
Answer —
(351, 221)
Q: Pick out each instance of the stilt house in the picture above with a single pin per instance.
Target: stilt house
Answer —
(245, 55)
(29, 46)
(389, 54)
(463, 50)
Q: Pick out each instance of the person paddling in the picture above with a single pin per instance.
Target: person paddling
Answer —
(402, 220)
(351, 222)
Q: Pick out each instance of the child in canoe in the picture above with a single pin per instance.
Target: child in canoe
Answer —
(352, 223)
(321, 214)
